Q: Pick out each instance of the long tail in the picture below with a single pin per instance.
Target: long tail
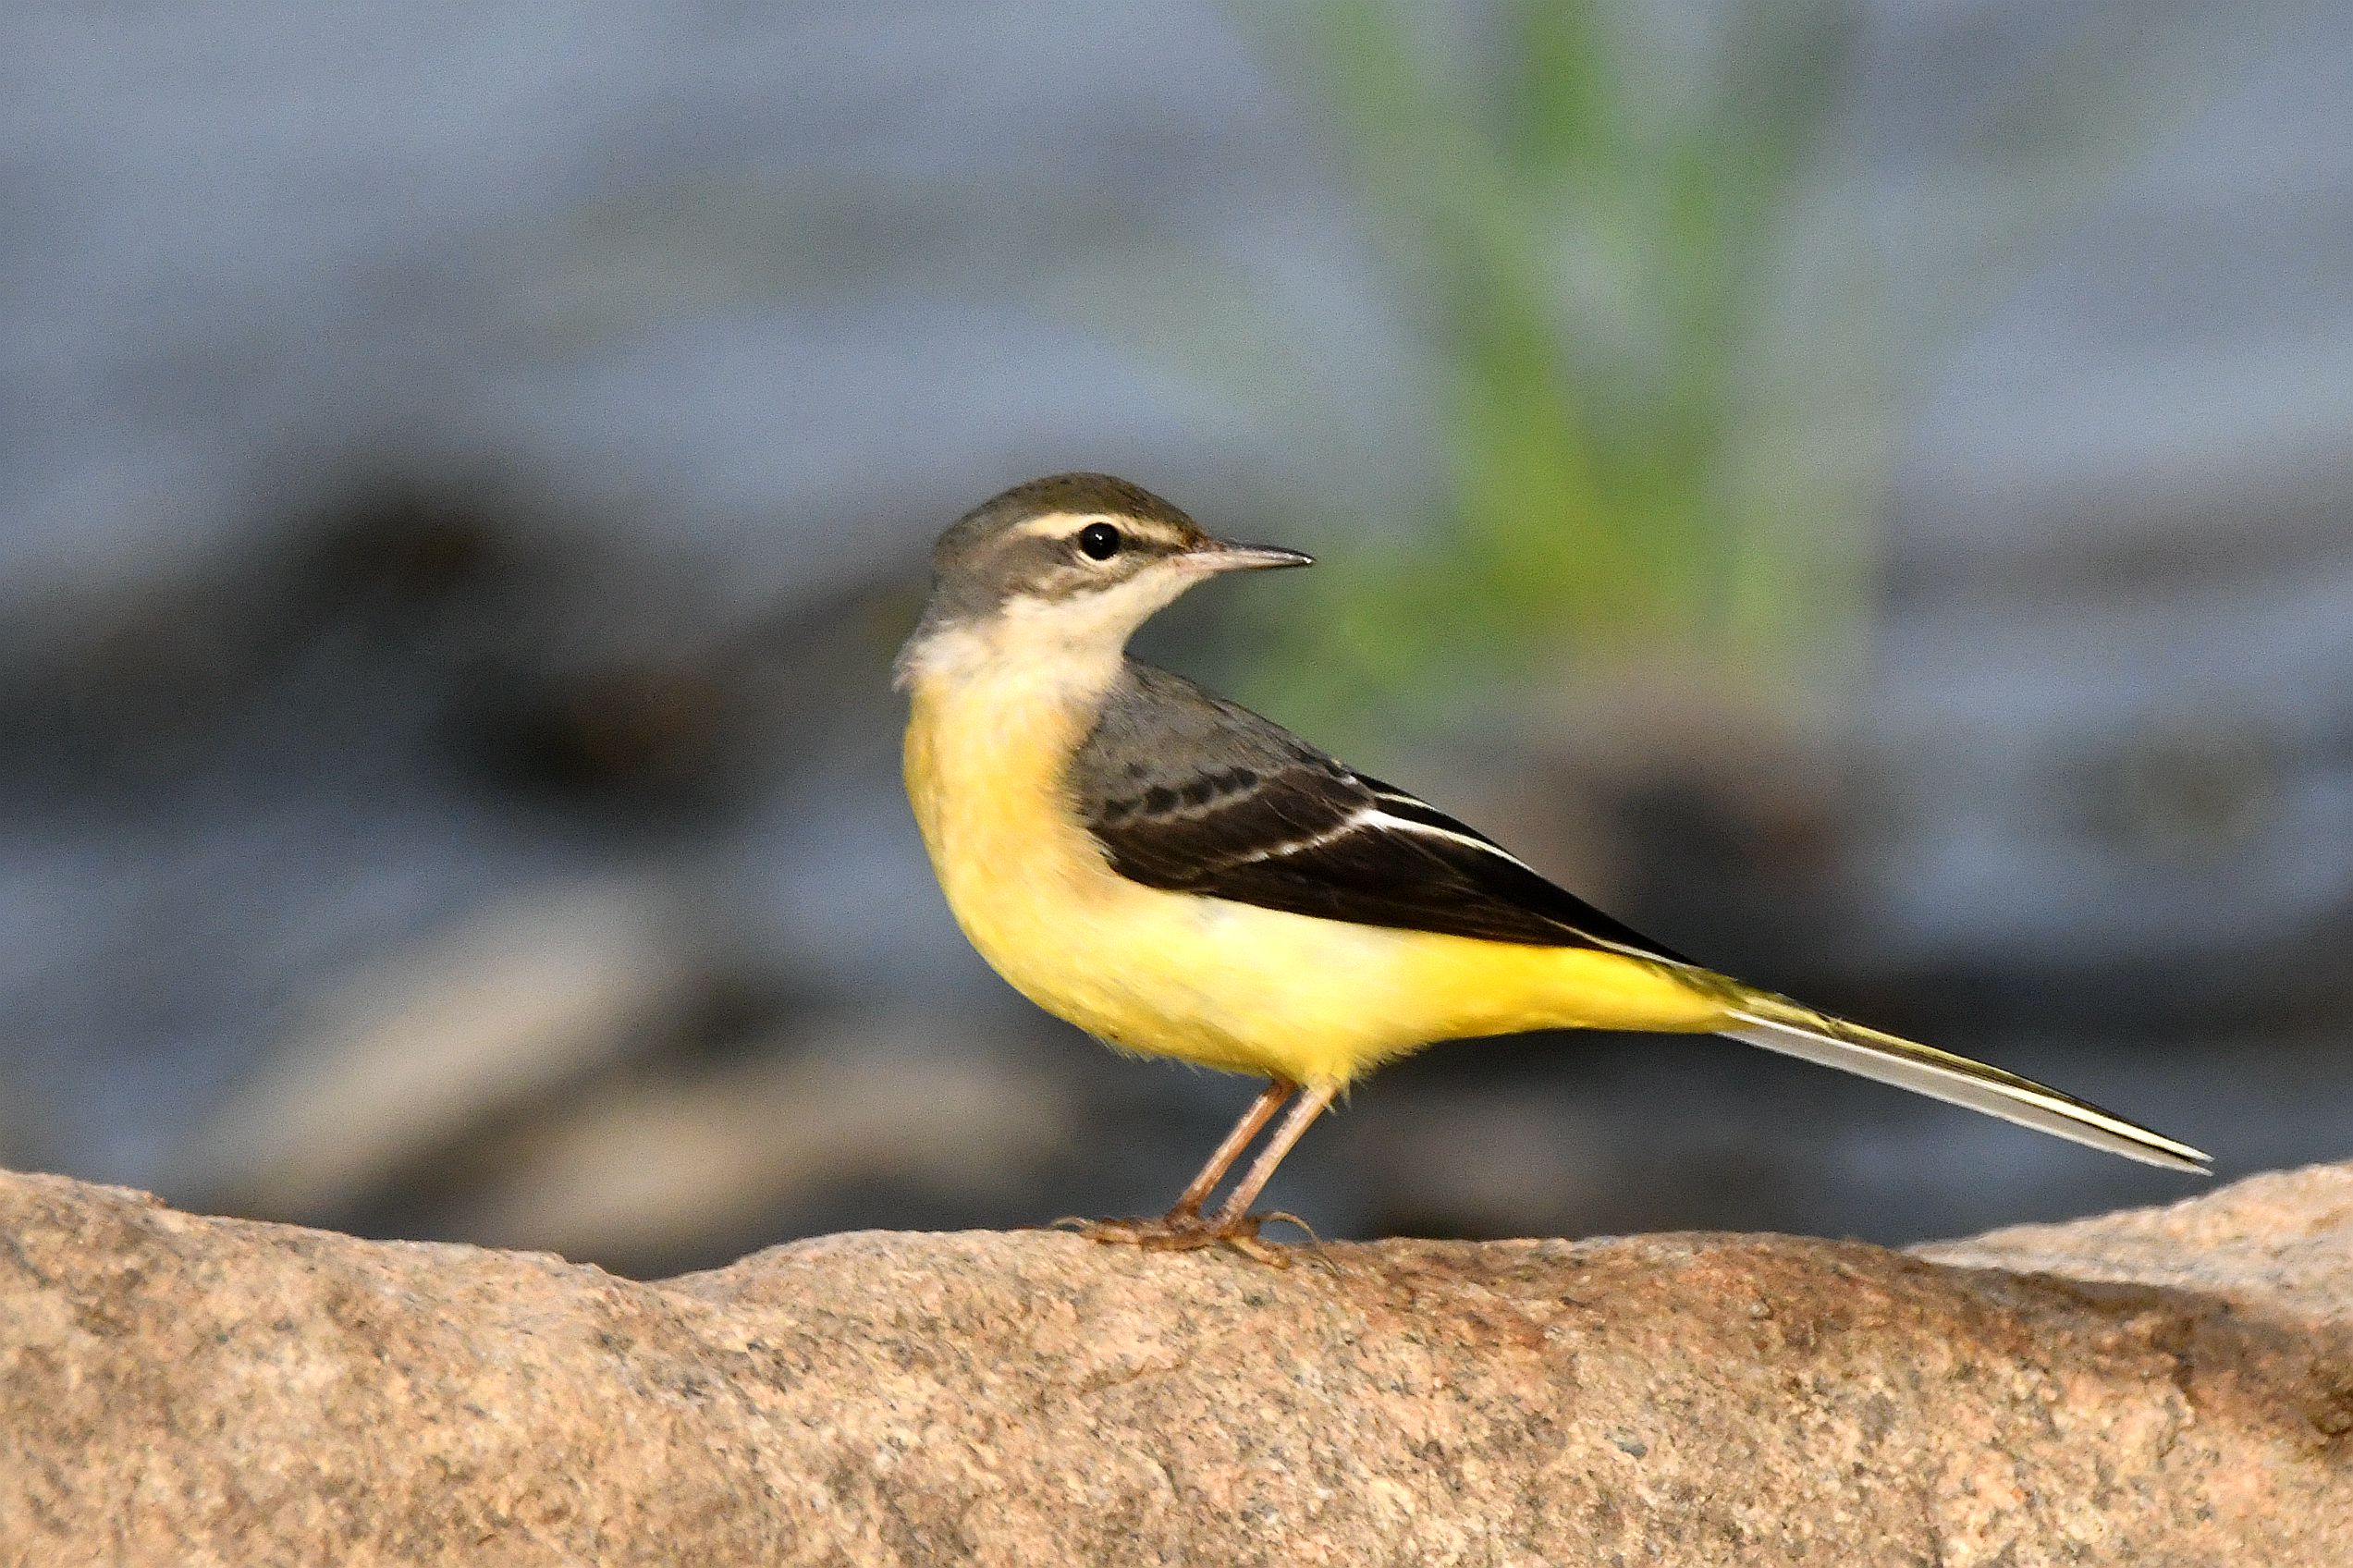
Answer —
(1777, 1023)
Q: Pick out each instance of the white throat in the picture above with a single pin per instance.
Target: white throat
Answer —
(1070, 648)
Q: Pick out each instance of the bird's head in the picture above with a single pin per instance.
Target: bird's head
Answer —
(1063, 570)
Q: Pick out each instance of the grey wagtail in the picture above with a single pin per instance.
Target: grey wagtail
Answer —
(1179, 877)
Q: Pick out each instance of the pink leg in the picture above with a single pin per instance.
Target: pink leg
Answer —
(1234, 1215)
(1261, 1110)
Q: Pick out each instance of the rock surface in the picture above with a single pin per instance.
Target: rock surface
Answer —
(2162, 1387)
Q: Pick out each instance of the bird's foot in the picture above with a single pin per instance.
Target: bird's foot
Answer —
(1182, 1232)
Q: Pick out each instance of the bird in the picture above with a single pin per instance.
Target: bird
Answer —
(1179, 877)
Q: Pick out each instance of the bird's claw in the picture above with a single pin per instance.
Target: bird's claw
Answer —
(1191, 1232)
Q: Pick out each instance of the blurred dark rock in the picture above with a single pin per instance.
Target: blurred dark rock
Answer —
(677, 1163)
(533, 996)
(2160, 1386)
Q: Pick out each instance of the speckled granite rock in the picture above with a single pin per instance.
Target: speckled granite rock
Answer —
(2167, 1387)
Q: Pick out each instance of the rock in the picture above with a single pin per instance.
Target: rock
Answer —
(2174, 1386)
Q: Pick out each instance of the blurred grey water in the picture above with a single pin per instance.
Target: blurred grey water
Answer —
(465, 470)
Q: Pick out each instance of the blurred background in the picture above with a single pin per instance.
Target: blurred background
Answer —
(1863, 491)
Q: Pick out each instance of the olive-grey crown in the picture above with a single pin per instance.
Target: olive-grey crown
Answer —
(1050, 538)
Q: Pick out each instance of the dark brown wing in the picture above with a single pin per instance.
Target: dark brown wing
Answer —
(1189, 792)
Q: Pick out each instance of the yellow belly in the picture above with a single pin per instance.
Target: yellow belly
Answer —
(1227, 985)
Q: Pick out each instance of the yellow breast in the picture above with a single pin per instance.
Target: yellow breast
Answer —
(985, 772)
(1227, 985)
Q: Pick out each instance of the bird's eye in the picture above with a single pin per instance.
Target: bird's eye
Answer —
(1100, 541)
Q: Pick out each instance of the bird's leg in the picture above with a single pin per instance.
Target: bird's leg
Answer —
(1234, 1225)
(1262, 1109)
(1183, 1227)
(1234, 1222)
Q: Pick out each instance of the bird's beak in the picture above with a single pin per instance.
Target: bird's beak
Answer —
(1224, 555)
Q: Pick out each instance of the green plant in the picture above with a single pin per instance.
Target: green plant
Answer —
(1671, 329)
(1594, 247)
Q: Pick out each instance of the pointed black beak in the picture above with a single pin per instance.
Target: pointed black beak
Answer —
(1224, 555)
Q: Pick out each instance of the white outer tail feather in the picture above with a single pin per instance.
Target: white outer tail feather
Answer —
(1958, 1081)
